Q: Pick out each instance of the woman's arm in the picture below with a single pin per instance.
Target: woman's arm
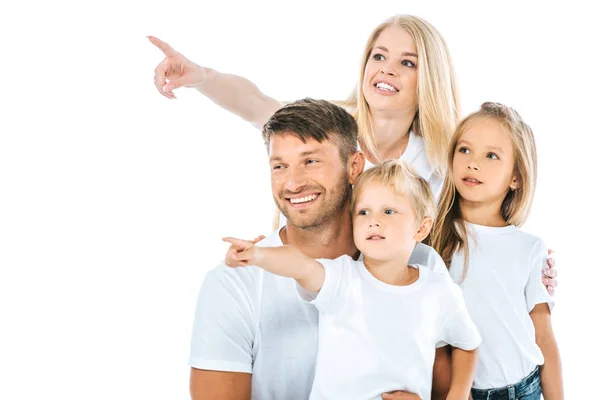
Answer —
(551, 371)
(234, 93)
(284, 261)
(463, 371)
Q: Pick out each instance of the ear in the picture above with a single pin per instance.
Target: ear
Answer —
(356, 165)
(515, 184)
(424, 229)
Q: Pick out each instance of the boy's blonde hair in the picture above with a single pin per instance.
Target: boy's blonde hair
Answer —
(449, 233)
(437, 93)
(404, 181)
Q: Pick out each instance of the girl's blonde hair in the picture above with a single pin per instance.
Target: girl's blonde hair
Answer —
(404, 180)
(449, 233)
(437, 92)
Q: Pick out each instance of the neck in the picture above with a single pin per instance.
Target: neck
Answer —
(330, 239)
(479, 213)
(393, 272)
(391, 133)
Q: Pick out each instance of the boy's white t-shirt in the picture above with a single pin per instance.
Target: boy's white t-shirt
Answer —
(249, 320)
(502, 285)
(376, 338)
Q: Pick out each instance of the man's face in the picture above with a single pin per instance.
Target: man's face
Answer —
(309, 181)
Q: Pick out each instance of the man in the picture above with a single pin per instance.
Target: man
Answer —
(253, 336)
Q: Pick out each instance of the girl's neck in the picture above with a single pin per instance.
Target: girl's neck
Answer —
(486, 214)
(394, 272)
(391, 132)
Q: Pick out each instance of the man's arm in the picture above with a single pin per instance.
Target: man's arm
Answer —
(218, 385)
(551, 371)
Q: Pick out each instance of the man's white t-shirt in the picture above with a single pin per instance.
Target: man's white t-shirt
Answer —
(249, 320)
(502, 285)
(376, 338)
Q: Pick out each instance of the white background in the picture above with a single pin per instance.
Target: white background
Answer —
(113, 199)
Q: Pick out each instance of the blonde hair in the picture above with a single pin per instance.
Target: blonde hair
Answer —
(449, 233)
(403, 179)
(437, 93)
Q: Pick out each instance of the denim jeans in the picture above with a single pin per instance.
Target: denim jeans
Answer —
(528, 389)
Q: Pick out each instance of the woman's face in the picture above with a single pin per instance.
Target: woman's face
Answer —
(390, 81)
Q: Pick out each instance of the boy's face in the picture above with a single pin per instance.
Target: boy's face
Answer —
(309, 181)
(385, 223)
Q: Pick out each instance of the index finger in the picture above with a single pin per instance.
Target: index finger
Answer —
(164, 47)
(236, 242)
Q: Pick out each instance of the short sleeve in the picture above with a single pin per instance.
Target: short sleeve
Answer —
(458, 330)
(223, 330)
(426, 256)
(336, 286)
(535, 290)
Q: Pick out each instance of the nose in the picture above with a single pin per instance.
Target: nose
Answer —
(472, 165)
(374, 223)
(387, 69)
(295, 180)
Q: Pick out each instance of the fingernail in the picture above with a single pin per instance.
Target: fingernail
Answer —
(546, 281)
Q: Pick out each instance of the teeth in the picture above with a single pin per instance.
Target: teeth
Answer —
(385, 86)
(304, 199)
(472, 180)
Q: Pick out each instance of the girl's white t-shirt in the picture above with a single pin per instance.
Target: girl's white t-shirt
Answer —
(502, 285)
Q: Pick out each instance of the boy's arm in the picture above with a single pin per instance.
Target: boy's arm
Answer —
(551, 371)
(284, 261)
(463, 371)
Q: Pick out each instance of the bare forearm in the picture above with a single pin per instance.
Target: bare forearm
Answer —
(239, 96)
(463, 371)
(551, 372)
(291, 262)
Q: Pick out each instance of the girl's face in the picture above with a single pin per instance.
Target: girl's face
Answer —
(390, 79)
(484, 162)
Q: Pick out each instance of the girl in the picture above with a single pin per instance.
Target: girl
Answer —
(380, 319)
(486, 197)
(405, 102)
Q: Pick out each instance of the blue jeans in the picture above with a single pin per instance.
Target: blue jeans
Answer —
(528, 389)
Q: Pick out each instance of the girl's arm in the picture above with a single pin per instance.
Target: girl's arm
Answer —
(284, 261)
(234, 93)
(551, 371)
(463, 372)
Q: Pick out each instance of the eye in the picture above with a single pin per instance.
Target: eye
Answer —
(378, 57)
(463, 150)
(493, 156)
(311, 161)
(362, 212)
(389, 212)
(277, 166)
(408, 63)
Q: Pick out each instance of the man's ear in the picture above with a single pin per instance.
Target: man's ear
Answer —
(356, 165)
(424, 229)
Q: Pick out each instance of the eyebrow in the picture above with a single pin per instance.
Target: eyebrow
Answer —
(495, 148)
(303, 154)
(404, 53)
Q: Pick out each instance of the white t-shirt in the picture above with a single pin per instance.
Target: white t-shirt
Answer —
(416, 156)
(249, 320)
(376, 338)
(502, 285)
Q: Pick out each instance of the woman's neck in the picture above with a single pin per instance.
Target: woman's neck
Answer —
(391, 133)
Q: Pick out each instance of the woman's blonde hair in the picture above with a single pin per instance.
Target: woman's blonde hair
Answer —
(437, 92)
(404, 180)
(449, 233)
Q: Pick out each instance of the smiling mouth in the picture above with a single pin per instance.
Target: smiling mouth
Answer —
(471, 180)
(303, 200)
(385, 86)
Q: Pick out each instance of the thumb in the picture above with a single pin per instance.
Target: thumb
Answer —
(174, 84)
